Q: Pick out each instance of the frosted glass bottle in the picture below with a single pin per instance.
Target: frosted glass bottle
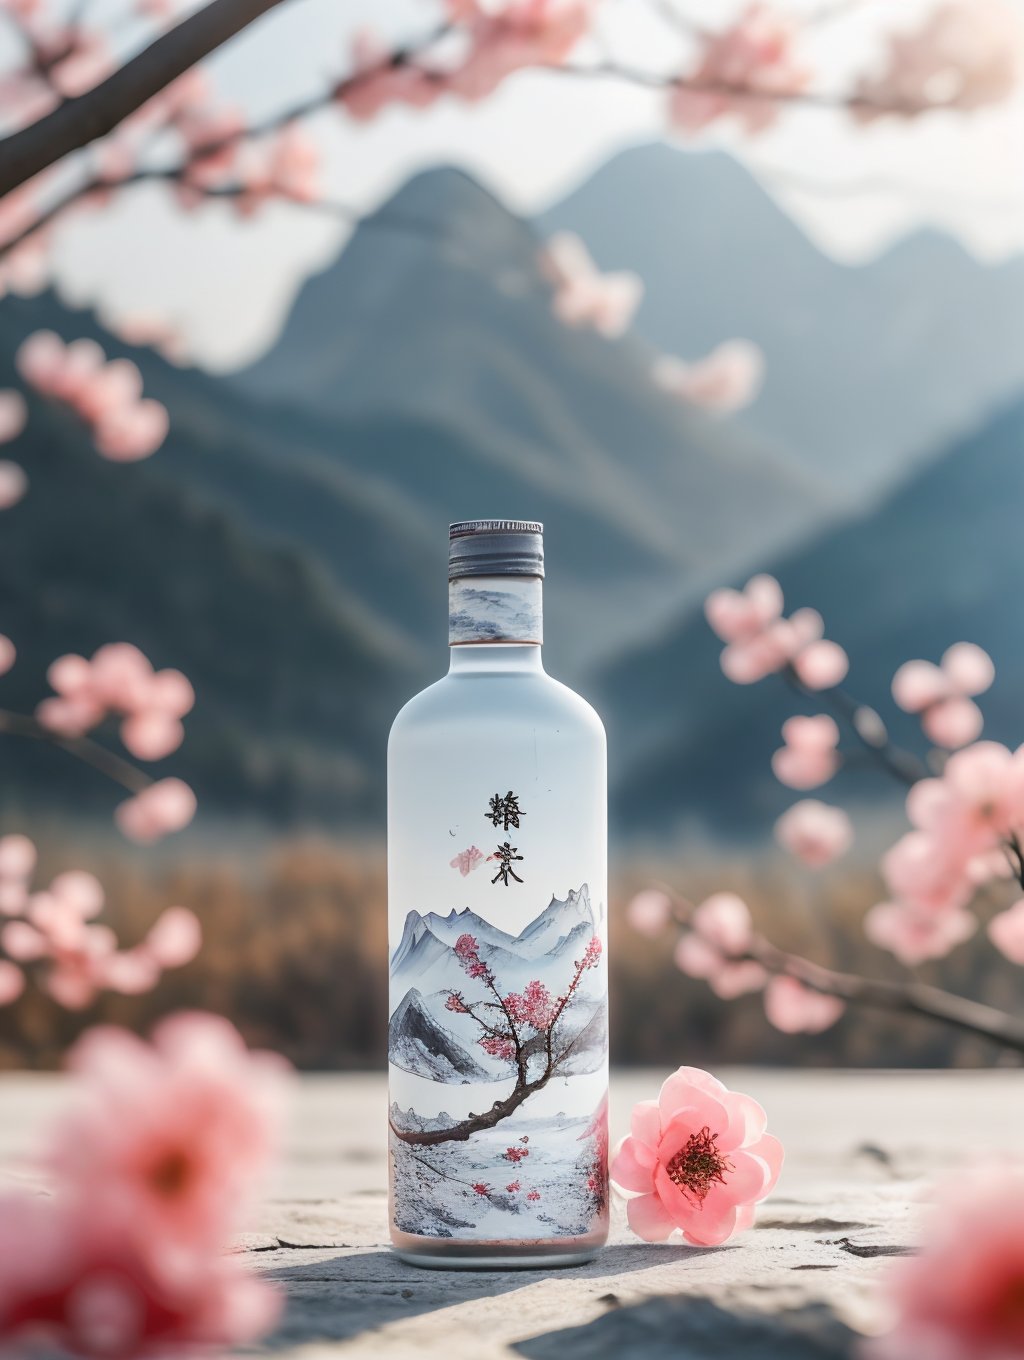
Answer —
(497, 888)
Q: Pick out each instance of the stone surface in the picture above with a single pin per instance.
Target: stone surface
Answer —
(861, 1151)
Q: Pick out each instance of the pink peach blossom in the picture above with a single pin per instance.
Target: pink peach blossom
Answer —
(976, 804)
(175, 938)
(965, 54)
(8, 654)
(168, 1138)
(815, 832)
(13, 414)
(724, 381)
(128, 434)
(649, 911)
(809, 756)
(747, 69)
(583, 296)
(1006, 931)
(76, 1281)
(914, 934)
(943, 694)
(796, 1009)
(760, 642)
(12, 982)
(152, 734)
(468, 860)
(161, 808)
(720, 934)
(927, 873)
(959, 1297)
(376, 82)
(697, 1160)
(294, 165)
(13, 483)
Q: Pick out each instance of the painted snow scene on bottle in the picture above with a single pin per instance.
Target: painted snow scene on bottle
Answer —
(503, 1039)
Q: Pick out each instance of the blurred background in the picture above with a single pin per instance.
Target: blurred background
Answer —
(385, 347)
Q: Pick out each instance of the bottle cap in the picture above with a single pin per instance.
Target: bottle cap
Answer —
(495, 547)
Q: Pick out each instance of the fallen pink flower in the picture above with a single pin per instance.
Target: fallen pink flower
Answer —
(795, 1009)
(697, 1160)
(814, 832)
(168, 1139)
(73, 1281)
(959, 1297)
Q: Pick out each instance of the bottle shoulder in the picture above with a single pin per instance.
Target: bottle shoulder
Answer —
(518, 697)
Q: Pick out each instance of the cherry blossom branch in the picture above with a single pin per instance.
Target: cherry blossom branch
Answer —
(107, 762)
(907, 998)
(78, 121)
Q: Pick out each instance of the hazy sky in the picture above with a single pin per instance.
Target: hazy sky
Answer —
(853, 189)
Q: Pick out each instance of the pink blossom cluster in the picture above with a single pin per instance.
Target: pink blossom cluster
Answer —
(720, 935)
(724, 381)
(105, 394)
(467, 951)
(455, 1002)
(591, 955)
(516, 1154)
(480, 1188)
(715, 949)
(760, 642)
(814, 832)
(959, 1297)
(498, 1046)
(66, 60)
(119, 679)
(809, 755)
(533, 1006)
(154, 1166)
(497, 40)
(962, 823)
(13, 417)
(748, 69)
(56, 928)
(583, 296)
(943, 695)
(966, 54)
(158, 810)
(696, 1161)
(468, 860)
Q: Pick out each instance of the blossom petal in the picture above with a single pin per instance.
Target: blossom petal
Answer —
(648, 1218)
(629, 1172)
(676, 1089)
(645, 1122)
(747, 1121)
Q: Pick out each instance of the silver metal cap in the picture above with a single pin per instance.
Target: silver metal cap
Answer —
(495, 547)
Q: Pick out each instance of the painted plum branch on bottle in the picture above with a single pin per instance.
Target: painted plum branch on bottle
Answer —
(514, 1028)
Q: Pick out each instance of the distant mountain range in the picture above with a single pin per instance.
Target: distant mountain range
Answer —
(286, 547)
(940, 561)
(426, 1038)
(869, 367)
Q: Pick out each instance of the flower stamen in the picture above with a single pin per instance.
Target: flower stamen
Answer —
(698, 1165)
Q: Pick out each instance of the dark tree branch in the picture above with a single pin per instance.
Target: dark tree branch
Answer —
(115, 767)
(77, 122)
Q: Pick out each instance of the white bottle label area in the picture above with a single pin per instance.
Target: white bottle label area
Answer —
(498, 1026)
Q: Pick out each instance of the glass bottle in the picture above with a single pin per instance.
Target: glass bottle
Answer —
(497, 889)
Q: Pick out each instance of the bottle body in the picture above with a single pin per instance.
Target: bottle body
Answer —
(497, 884)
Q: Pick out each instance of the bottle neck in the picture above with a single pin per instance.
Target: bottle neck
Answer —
(495, 611)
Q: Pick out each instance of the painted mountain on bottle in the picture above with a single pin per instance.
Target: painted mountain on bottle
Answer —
(429, 1040)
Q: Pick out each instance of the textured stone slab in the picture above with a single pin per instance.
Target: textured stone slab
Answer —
(861, 1151)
